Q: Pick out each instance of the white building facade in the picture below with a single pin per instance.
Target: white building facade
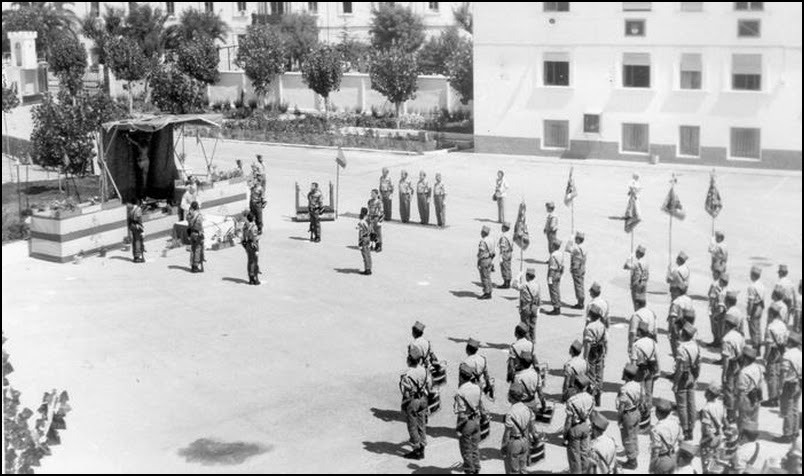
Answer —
(690, 82)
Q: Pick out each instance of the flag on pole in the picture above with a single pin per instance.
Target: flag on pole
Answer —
(571, 191)
(632, 215)
(340, 158)
(672, 204)
(521, 236)
(713, 202)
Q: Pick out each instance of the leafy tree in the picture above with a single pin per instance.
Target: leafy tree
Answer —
(433, 55)
(176, 92)
(394, 74)
(24, 444)
(261, 54)
(145, 25)
(355, 53)
(322, 71)
(199, 60)
(194, 23)
(50, 20)
(394, 25)
(460, 73)
(101, 31)
(128, 63)
(463, 16)
(10, 99)
(69, 62)
(300, 34)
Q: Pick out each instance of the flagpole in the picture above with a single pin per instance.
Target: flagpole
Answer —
(632, 241)
(337, 187)
(521, 259)
(670, 244)
(572, 214)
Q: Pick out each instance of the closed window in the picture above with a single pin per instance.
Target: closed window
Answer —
(312, 7)
(241, 6)
(748, 28)
(745, 143)
(432, 6)
(280, 8)
(347, 8)
(691, 6)
(635, 138)
(209, 7)
(636, 70)
(689, 140)
(591, 123)
(556, 69)
(746, 72)
(556, 6)
(556, 134)
(634, 27)
(691, 68)
(749, 6)
(94, 9)
(170, 8)
(636, 6)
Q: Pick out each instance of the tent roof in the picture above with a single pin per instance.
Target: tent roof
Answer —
(155, 123)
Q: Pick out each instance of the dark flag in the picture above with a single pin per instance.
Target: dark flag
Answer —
(672, 205)
(571, 191)
(521, 236)
(713, 203)
(632, 216)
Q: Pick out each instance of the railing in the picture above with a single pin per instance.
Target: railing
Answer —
(265, 19)
(226, 58)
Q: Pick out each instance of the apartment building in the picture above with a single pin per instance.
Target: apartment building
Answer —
(715, 83)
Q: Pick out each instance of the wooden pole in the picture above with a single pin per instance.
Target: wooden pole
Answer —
(521, 259)
(670, 245)
(572, 215)
(337, 186)
(632, 241)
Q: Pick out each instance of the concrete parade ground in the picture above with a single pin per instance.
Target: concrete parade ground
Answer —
(170, 371)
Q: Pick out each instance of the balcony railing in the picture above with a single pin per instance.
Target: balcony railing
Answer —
(265, 19)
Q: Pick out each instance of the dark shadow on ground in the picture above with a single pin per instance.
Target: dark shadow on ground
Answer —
(442, 432)
(534, 261)
(348, 270)
(353, 247)
(299, 238)
(417, 469)
(122, 258)
(611, 387)
(477, 283)
(657, 293)
(388, 416)
(698, 297)
(486, 220)
(235, 280)
(483, 345)
(611, 415)
(510, 298)
(627, 320)
(464, 294)
(710, 360)
(182, 268)
(490, 453)
(385, 448)
(557, 372)
(616, 217)
(210, 452)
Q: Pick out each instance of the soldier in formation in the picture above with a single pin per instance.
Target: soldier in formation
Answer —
(423, 193)
(551, 226)
(529, 302)
(257, 203)
(251, 244)
(577, 429)
(137, 231)
(405, 194)
(665, 439)
(719, 252)
(375, 217)
(485, 263)
(440, 201)
(387, 192)
(468, 407)
(555, 268)
(517, 436)
(629, 403)
(364, 240)
(640, 274)
(415, 386)
(577, 252)
(506, 249)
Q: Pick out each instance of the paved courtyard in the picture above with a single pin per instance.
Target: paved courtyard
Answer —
(300, 374)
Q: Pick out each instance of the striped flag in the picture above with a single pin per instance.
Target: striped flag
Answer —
(340, 158)
(713, 203)
(571, 191)
(521, 236)
(672, 205)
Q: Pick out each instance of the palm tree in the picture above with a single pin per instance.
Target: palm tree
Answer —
(193, 23)
(50, 20)
(100, 31)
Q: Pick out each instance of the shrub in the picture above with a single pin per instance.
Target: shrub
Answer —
(175, 92)
(199, 60)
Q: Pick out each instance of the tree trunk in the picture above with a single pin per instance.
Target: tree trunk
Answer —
(326, 107)
(398, 107)
(130, 99)
(107, 87)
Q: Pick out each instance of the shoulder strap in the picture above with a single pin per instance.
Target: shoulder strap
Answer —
(471, 407)
(754, 457)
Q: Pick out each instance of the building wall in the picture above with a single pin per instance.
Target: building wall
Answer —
(512, 102)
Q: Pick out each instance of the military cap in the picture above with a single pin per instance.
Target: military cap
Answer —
(749, 352)
(724, 276)
(641, 249)
(582, 381)
(465, 370)
(473, 343)
(415, 353)
(644, 327)
(683, 256)
(550, 204)
(517, 391)
(363, 210)
(663, 405)
(688, 314)
(580, 234)
(577, 346)
(794, 338)
(418, 326)
(689, 329)
(756, 270)
(714, 389)
(506, 224)
(522, 327)
(782, 268)
(531, 271)
(732, 319)
(595, 310)
(750, 426)
(776, 306)
(688, 448)
(599, 421)
(485, 229)
(630, 371)
(732, 294)
(719, 235)
(595, 287)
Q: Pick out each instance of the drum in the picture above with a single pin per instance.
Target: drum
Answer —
(485, 426)
(438, 372)
(536, 451)
(545, 414)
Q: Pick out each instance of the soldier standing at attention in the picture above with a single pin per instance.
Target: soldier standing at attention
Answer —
(732, 349)
(679, 275)
(713, 421)
(551, 226)
(789, 294)
(519, 348)
(776, 336)
(364, 240)
(791, 390)
(688, 369)
(479, 367)
(642, 314)
(485, 257)
(555, 268)
(424, 346)
(665, 438)
(577, 253)
(640, 274)
(719, 252)
(602, 304)
(376, 215)
(595, 345)
(195, 227)
(252, 246)
(646, 359)
(515, 447)
(749, 387)
(261, 167)
(579, 407)
(468, 406)
(256, 204)
(315, 205)
(416, 385)
(681, 310)
(440, 201)
(574, 367)
(500, 191)
(405, 192)
(423, 192)
(717, 308)
(137, 231)
(603, 457)
(506, 248)
(387, 192)
(731, 309)
(629, 401)
(529, 301)
(527, 375)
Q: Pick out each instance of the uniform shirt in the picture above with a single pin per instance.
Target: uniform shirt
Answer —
(530, 296)
(603, 305)
(776, 337)
(485, 248)
(257, 196)
(640, 272)
(551, 224)
(750, 378)
(521, 347)
(687, 359)
(666, 435)
(629, 397)
(501, 188)
(720, 254)
(363, 233)
(579, 407)
(604, 454)
(679, 276)
(505, 246)
(375, 209)
(746, 456)
(644, 351)
(713, 418)
(681, 306)
(715, 296)
(531, 380)
(556, 264)
(195, 221)
(467, 400)
(386, 186)
(594, 333)
(642, 315)
(424, 346)
(405, 188)
(135, 217)
(439, 190)
(791, 365)
(755, 299)
(519, 419)
(742, 326)
(478, 365)
(733, 343)
(315, 199)
(415, 383)
(577, 257)
(190, 196)
(574, 367)
(784, 312)
(423, 187)
(789, 292)
(250, 233)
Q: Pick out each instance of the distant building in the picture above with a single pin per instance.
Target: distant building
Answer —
(691, 82)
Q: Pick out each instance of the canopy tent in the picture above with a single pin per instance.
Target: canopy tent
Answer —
(139, 154)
